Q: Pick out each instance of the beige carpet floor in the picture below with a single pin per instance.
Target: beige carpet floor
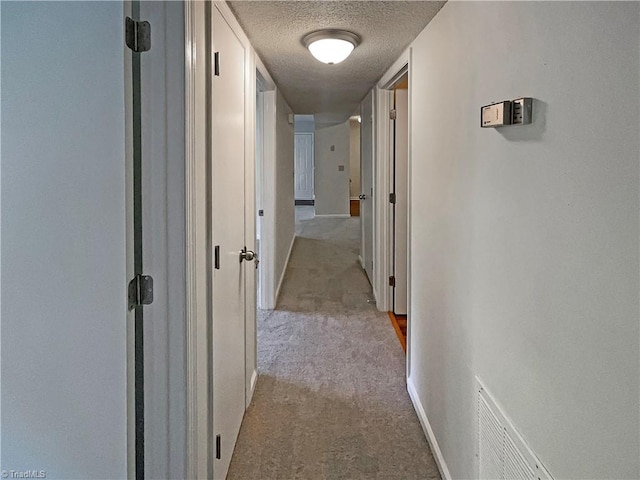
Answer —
(331, 399)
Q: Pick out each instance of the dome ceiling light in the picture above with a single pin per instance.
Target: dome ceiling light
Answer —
(331, 46)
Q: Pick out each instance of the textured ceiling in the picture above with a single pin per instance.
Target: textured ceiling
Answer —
(331, 92)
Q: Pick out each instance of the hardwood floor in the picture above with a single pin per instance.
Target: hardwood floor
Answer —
(354, 206)
(399, 323)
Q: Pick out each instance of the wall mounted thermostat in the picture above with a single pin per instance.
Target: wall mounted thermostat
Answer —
(509, 112)
(521, 111)
(496, 114)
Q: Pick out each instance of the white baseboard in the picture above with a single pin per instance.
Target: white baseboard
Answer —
(284, 270)
(252, 387)
(428, 431)
(335, 215)
(361, 261)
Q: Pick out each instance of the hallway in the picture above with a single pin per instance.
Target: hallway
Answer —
(146, 169)
(331, 399)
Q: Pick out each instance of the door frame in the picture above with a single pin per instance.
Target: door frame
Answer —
(266, 271)
(383, 184)
(400, 187)
(364, 259)
(199, 461)
(198, 350)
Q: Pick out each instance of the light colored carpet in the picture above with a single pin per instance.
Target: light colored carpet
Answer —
(331, 399)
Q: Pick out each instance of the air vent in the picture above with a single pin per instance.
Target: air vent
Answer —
(502, 453)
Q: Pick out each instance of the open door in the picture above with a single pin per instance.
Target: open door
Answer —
(366, 185)
(400, 197)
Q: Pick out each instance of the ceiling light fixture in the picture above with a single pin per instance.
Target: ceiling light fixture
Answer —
(331, 46)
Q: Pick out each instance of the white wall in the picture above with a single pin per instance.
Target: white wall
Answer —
(524, 240)
(331, 184)
(354, 158)
(285, 208)
(64, 305)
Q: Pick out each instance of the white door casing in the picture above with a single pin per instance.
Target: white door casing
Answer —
(304, 166)
(228, 237)
(198, 401)
(266, 185)
(401, 178)
(383, 148)
(268, 221)
(366, 185)
(162, 127)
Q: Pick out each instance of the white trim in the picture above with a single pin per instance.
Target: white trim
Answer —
(250, 215)
(197, 347)
(284, 270)
(409, 210)
(383, 219)
(266, 81)
(428, 431)
(396, 71)
(230, 18)
(361, 261)
(268, 234)
(334, 215)
(130, 325)
(252, 388)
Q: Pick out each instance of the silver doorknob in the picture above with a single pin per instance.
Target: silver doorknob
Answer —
(362, 196)
(247, 255)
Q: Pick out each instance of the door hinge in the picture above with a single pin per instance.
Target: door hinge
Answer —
(261, 213)
(218, 447)
(138, 35)
(392, 198)
(140, 291)
(393, 114)
(216, 64)
(392, 281)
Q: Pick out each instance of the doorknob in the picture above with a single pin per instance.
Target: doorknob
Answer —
(362, 196)
(248, 255)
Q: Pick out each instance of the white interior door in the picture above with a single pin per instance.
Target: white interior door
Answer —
(303, 168)
(228, 236)
(366, 185)
(401, 206)
(64, 240)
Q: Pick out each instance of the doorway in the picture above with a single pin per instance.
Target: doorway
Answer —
(366, 186)
(354, 166)
(304, 168)
(399, 194)
(391, 176)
